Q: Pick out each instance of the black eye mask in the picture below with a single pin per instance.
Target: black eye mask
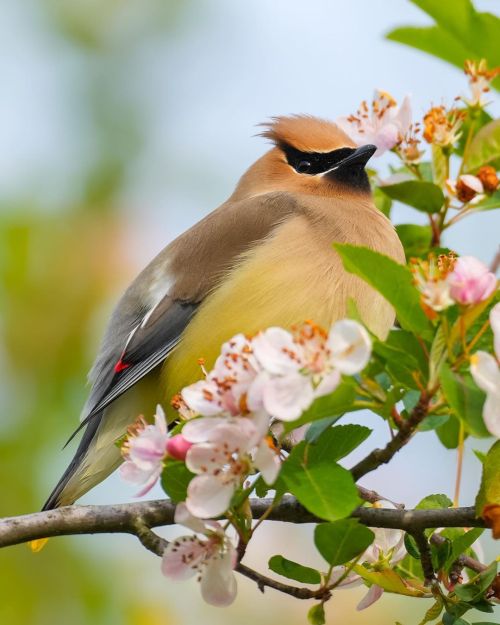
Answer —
(313, 163)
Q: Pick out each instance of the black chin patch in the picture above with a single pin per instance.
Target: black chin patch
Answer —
(353, 176)
(314, 163)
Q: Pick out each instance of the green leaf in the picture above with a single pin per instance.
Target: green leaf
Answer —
(465, 399)
(404, 357)
(411, 546)
(461, 544)
(416, 240)
(293, 570)
(382, 201)
(437, 355)
(393, 281)
(484, 148)
(440, 165)
(333, 405)
(433, 612)
(316, 614)
(434, 502)
(478, 586)
(432, 422)
(175, 480)
(461, 33)
(476, 119)
(422, 195)
(489, 492)
(338, 441)
(433, 40)
(342, 540)
(489, 203)
(322, 486)
(449, 432)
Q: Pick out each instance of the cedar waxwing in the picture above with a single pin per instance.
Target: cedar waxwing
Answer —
(264, 258)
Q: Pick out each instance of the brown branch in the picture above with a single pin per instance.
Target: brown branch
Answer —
(425, 556)
(124, 518)
(382, 456)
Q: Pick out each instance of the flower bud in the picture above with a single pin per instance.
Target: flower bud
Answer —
(468, 187)
(178, 446)
(488, 177)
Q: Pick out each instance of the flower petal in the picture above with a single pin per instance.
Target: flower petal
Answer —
(182, 557)
(373, 595)
(350, 346)
(184, 517)
(287, 397)
(491, 413)
(267, 462)
(208, 496)
(485, 371)
(218, 583)
(277, 352)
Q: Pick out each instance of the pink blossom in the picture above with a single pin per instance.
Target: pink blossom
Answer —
(178, 446)
(225, 388)
(386, 550)
(224, 451)
(298, 368)
(211, 557)
(144, 452)
(385, 125)
(470, 281)
(486, 373)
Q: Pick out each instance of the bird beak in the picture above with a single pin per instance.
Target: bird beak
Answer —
(360, 156)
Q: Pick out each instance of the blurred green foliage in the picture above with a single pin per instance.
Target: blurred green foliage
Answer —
(460, 32)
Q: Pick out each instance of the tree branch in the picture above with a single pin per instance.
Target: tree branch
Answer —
(130, 518)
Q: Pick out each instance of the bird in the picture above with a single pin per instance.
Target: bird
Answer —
(264, 258)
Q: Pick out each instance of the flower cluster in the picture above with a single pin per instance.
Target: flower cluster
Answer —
(446, 281)
(275, 375)
(385, 125)
(486, 373)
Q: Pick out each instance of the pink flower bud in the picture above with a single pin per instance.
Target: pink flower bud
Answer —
(470, 281)
(178, 446)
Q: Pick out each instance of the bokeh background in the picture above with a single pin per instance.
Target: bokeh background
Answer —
(122, 122)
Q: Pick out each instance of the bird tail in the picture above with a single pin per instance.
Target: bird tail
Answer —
(60, 495)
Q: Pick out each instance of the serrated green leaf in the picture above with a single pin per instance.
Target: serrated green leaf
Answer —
(333, 405)
(175, 480)
(424, 196)
(434, 502)
(416, 239)
(342, 540)
(316, 429)
(449, 433)
(404, 358)
(477, 587)
(433, 612)
(484, 148)
(316, 614)
(393, 281)
(465, 399)
(461, 544)
(489, 492)
(338, 441)
(411, 546)
(322, 486)
(293, 570)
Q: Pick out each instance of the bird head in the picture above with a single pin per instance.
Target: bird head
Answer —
(310, 155)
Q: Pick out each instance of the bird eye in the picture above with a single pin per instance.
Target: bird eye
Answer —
(303, 167)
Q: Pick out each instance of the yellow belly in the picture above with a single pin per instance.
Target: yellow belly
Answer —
(283, 282)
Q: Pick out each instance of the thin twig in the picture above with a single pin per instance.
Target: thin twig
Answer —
(382, 456)
(425, 556)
